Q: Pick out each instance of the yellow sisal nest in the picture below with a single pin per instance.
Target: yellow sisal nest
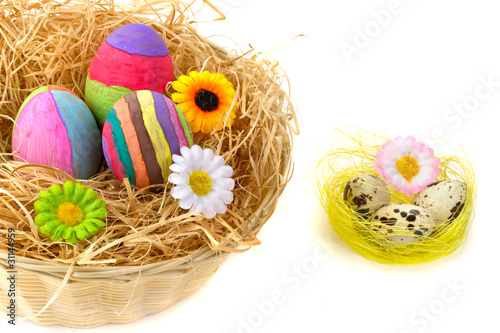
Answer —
(356, 156)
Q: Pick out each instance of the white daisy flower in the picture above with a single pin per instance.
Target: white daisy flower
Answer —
(202, 181)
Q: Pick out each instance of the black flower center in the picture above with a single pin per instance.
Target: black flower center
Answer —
(206, 100)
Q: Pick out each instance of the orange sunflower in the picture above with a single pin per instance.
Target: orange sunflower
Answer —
(206, 100)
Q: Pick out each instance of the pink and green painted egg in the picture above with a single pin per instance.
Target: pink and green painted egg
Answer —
(133, 57)
(142, 132)
(55, 128)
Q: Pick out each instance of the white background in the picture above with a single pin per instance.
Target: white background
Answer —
(406, 78)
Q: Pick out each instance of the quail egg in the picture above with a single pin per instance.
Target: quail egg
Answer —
(403, 223)
(366, 193)
(444, 199)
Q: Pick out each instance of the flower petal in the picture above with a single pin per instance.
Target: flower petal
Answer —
(416, 188)
(206, 126)
(186, 80)
(224, 171)
(178, 179)
(81, 232)
(95, 205)
(97, 223)
(78, 194)
(196, 124)
(177, 168)
(186, 153)
(226, 196)
(97, 214)
(219, 206)
(51, 226)
(89, 196)
(180, 87)
(224, 183)
(70, 235)
(68, 191)
(179, 192)
(179, 97)
(188, 201)
(91, 228)
(197, 207)
(208, 209)
(44, 218)
(177, 159)
(197, 153)
(55, 190)
(41, 207)
(57, 234)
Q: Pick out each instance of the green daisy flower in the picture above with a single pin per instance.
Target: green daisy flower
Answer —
(71, 213)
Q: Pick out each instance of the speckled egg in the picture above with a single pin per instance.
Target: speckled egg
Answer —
(142, 132)
(366, 193)
(444, 199)
(403, 223)
(133, 57)
(55, 128)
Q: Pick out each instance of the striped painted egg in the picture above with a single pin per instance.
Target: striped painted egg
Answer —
(133, 57)
(141, 133)
(55, 128)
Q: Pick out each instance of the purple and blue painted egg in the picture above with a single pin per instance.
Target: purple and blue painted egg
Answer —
(55, 128)
(142, 132)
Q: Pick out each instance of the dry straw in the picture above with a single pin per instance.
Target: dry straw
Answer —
(151, 253)
(357, 154)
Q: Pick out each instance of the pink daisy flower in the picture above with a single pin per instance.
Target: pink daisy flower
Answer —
(407, 165)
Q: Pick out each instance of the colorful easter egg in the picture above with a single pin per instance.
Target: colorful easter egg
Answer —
(55, 128)
(142, 132)
(133, 57)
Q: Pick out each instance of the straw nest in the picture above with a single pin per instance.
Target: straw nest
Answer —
(53, 43)
(339, 165)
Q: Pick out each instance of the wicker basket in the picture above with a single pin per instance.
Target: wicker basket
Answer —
(90, 297)
(85, 296)
(95, 296)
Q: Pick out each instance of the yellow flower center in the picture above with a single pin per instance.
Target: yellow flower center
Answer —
(407, 167)
(69, 214)
(200, 183)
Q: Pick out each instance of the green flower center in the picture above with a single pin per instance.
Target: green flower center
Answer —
(206, 100)
(200, 183)
(69, 214)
